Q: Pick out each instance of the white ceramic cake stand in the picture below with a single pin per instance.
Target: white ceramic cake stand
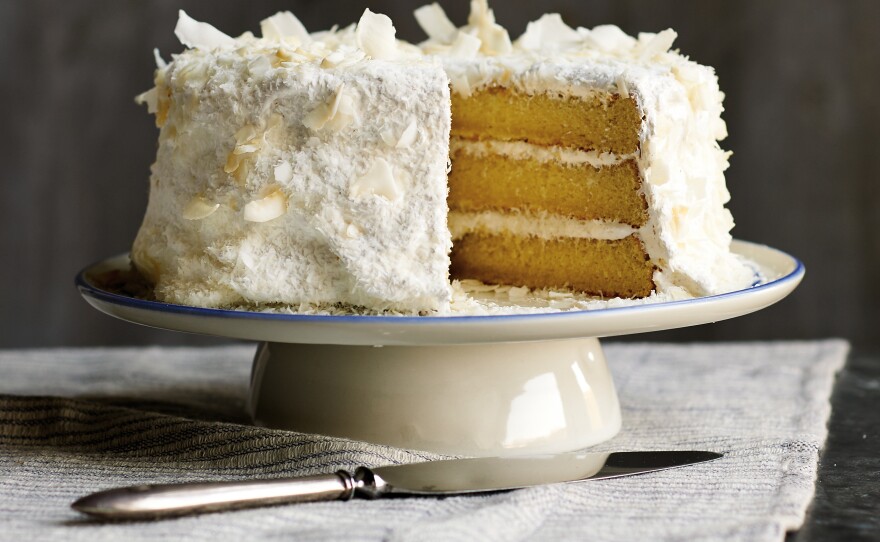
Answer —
(464, 385)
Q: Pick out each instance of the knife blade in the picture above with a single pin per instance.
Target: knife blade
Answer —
(438, 478)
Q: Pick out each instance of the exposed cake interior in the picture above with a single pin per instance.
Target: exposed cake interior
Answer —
(584, 159)
(523, 155)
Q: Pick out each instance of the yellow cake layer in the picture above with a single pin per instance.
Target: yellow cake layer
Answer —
(607, 268)
(603, 121)
(495, 182)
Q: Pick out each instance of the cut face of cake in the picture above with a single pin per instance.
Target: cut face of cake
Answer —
(584, 159)
(299, 169)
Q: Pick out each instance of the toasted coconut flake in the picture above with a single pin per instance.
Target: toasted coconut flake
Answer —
(548, 33)
(151, 98)
(283, 172)
(160, 62)
(607, 37)
(408, 136)
(196, 35)
(246, 149)
(461, 85)
(379, 181)
(246, 133)
(341, 111)
(375, 35)
(656, 44)
(321, 114)
(495, 40)
(267, 208)
(435, 23)
(332, 60)
(480, 14)
(259, 66)
(233, 162)
(465, 46)
(493, 37)
(352, 231)
(199, 208)
(388, 136)
(282, 25)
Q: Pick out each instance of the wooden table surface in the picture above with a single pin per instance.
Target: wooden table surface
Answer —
(847, 502)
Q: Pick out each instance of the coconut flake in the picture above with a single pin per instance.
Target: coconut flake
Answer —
(341, 111)
(465, 46)
(548, 33)
(622, 87)
(480, 14)
(408, 136)
(435, 23)
(259, 66)
(266, 208)
(608, 38)
(379, 181)
(160, 62)
(284, 24)
(151, 98)
(198, 208)
(656, 44)
(333, 59)
(495, 40)
(461, 85)
(493, 37)
(387, 135)
(245, 136)
(196, 35)
(283, 172)
(351, 231)
(375, 35)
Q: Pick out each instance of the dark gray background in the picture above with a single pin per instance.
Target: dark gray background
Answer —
(803, 111)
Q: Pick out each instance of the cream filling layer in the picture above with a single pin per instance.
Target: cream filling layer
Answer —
(520, 150)
(543, 225)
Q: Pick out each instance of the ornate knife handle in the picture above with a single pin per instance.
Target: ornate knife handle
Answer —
(161, 500)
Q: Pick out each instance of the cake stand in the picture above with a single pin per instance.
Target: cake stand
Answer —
(460, 385)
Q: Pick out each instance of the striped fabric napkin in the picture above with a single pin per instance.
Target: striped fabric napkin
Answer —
(73, 421)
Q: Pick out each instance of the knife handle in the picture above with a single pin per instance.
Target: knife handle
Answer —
(154, 501)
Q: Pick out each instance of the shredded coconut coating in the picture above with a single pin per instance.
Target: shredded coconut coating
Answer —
(299, 171)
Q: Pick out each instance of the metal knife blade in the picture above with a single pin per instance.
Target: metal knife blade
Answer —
(447, 477)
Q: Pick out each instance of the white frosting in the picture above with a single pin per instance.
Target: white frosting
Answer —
(537, 224)
(520, 150)
(274, 184)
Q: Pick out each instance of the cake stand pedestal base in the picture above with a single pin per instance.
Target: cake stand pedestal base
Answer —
(472, 399)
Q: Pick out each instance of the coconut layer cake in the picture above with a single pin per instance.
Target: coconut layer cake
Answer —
(311, 169)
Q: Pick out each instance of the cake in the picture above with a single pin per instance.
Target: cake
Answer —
(311, 170)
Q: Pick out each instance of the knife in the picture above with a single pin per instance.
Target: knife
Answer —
(437, 478)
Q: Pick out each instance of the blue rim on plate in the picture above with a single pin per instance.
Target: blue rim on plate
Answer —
(87, 288)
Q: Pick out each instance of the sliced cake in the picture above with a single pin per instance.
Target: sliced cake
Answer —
(583, 159)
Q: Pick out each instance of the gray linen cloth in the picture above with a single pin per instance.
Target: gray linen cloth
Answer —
(73, 421)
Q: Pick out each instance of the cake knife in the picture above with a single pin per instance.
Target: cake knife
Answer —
(437, 478)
